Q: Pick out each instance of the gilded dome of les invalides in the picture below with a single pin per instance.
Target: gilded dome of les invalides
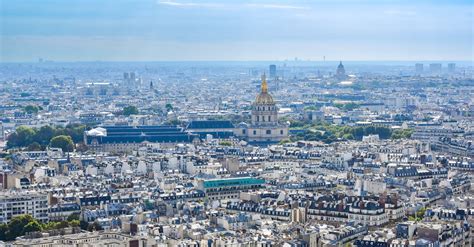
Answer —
(264, 98)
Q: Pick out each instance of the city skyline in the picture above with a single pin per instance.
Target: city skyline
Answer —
(277, 123)
(236, 31)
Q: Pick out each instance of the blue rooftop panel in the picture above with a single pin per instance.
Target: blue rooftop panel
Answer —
(216, 183)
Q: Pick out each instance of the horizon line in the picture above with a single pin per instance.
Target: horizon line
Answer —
(187, 61)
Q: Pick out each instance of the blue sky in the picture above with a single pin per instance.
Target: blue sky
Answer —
(162, 30)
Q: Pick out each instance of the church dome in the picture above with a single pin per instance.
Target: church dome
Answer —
(264, 99)
(340, 66)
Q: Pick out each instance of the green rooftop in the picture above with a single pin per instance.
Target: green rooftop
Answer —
(216, 183)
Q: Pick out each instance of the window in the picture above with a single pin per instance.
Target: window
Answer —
(243, 131)
(269, 132)
(254, 132)
(258, 118)
(281, 132)
(269, 118)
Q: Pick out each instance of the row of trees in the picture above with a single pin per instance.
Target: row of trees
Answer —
(38, 138)
(23, 224)
(401, 133)
(347, 106)
(329, 133)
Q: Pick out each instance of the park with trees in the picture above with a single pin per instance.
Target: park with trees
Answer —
(328, 133)
(24, 224)
(36, 139)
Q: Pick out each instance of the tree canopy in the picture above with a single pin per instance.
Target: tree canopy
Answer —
(31, 109)
(62, 141)
(32, 137)
(329, 133)
(23, 224)
(130, 110)
(169, 107)
(347, 106)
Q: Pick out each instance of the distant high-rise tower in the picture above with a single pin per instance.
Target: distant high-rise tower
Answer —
(451, 67)
(273, 71)
(435, 68)
(419, 68)
(340, 72)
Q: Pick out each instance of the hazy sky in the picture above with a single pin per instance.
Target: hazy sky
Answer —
(160, 30)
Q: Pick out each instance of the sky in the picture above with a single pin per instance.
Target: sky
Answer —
(227, 30)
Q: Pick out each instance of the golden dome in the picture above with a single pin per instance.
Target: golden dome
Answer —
(264, 97)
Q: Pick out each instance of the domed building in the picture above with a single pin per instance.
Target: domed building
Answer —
(341, 72)
(264, 128)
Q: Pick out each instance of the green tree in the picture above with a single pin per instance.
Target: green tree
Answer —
(311, 108)
(64, 142)
(225, 143)
(62, 224)
(297, 124)
(284, 141)
(44, 134)
(169, 107)
(402, 133)
(16, 227)
(73, 217)
(348, 136)
(51, 225)
(347, 106)
(74, 223)
(421, 213)
(76, 131)
(173, 122)
(94, 227)
(130, 110)
(31, 109)
(83, 224)
(22, 137)
(34, 146)
(3, 232)
(33, 226)
(25, 136)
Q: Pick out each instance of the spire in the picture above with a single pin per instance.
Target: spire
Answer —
(264, 84)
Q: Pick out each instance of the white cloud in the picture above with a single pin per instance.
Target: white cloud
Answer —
(188, 4)
(275, 6)
(219, 5)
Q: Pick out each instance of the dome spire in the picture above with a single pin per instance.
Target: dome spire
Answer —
(264, 84)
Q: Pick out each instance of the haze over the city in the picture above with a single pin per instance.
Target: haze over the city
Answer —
(182, 30)
(236, 123)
